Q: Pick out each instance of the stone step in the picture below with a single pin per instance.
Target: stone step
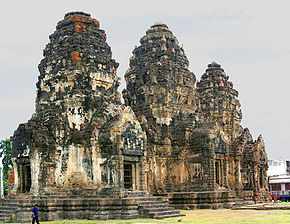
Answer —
(164, 214)
(4, 218)
(4, 212)
(156, 209)
(8, 206)
(168, 216)
(157, 205)
(190, 199)
(148, 203)
(203, 205)
(10, 203)
(9, 199)
(154, 198)
(139, 193)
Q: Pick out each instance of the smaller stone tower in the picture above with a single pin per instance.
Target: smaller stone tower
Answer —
(219, 100)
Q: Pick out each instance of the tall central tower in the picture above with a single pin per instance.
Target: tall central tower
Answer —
(160, 88)
(219, 100)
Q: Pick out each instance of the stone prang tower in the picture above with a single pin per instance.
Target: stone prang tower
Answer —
(160, 90)
(159, 84)
(80, 131)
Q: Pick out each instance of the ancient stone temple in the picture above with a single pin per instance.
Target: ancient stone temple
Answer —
(197, 154)
(86, 155)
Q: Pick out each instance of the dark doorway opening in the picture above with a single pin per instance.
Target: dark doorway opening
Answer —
(26, 179)
(217, 172)
(261, 178)
(128, 178)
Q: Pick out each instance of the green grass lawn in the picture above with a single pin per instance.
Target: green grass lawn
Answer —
(282, 203)
(204, 216)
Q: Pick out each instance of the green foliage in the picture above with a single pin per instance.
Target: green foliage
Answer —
(5, 186)
(5, 154)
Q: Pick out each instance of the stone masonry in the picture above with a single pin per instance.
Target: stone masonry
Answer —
(195, 142)
(175, 140)
(80, 132)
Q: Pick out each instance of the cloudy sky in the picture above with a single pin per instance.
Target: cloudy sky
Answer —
(250, 39)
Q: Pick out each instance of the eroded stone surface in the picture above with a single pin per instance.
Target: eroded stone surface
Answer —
(80, 131)
(160, 90)
(194, 138)
(172, 135)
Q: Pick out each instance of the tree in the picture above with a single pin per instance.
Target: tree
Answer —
(5, 154)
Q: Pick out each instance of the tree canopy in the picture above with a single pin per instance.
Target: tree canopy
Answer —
(5, 154)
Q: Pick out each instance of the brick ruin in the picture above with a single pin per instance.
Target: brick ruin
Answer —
(174, 141)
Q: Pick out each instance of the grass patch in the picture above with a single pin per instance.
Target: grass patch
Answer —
(201, 216)
(282, 203)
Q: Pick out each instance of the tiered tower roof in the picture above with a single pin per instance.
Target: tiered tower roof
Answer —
(159, 62)
(160, 87)
(217, 95)
(158, 47)
(77, 63)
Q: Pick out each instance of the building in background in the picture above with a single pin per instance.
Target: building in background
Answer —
(278, 167)
(279, 178)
